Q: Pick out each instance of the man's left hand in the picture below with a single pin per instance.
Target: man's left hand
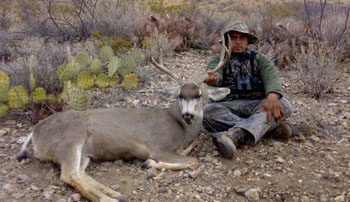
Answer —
(272, 106)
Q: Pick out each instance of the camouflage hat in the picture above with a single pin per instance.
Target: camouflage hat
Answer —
(241, 27)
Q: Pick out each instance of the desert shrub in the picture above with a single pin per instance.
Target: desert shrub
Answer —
(163, 7)
(317, 70)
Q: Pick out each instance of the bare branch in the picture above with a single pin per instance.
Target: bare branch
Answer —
(345, 27)
(323, 6)
(307, 13)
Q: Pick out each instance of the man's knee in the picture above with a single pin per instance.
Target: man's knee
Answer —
(287, 107)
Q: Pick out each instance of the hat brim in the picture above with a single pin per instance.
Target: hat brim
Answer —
(252, 38)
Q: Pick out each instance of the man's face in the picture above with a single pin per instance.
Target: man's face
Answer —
(239, 42)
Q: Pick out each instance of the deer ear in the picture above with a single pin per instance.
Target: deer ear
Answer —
(167, 94)
(218, 94)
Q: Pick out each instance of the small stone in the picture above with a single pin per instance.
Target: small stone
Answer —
(280, 160)
(237, 173)
(348, 197)
(2, 133)
(302, 138)
(10, 188)
(267, 175)
(23, 177)
(162, 190)
(152, 172)
(194, 174)
(339, 198)
(323, 198)
(305, 199)
(315, 138)
(10, 122)
(34, 188)
(136, 102)
(252, 195)
(75, 197)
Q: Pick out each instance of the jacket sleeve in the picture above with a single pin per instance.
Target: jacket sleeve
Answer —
(213, 62)
(269, 75)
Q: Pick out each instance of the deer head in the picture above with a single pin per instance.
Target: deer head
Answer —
(190, 96)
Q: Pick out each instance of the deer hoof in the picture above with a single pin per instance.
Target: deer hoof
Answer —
(149, 163)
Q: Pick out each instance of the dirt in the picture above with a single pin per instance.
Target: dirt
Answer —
(314, 165)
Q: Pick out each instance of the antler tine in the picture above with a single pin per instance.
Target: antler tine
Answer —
(165, 70)
(225, 53)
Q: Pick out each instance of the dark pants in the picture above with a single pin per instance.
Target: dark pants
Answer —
(221, 116)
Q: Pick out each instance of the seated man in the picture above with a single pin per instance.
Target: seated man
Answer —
(255, 105)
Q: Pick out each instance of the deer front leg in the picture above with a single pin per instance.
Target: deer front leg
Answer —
(186, 151)
(106, 190)
(173, 162)
(70, 174)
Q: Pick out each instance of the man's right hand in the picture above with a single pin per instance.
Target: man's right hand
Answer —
(212, 79)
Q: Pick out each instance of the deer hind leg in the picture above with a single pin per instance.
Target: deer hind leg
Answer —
(106, 190)
(171, 161)
(71, 174)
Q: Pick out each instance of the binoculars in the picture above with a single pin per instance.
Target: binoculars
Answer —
(243, 82)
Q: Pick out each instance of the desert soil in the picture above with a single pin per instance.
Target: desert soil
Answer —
(314, 165)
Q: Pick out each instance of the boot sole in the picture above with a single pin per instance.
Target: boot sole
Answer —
(225, 146)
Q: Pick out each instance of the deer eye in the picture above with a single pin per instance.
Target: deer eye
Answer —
(181, 97)
(197, 96)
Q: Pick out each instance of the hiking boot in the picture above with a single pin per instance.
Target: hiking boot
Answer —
(283, 131)
(227, 141)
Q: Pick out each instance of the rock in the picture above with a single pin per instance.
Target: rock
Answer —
(302, 138)
(280, 160)
(237, 173)
(315, 138)
(75, 197)
(152, 172)
(304, 199)
(10, 122)
(34, 188)
(136, 102)
(10, 188)
(252, 195)
(348, 197)
(23, 177)
(21, 140)
(2, 133)
(339, 198)
(323, 198)
(194, 174)
(162, 190)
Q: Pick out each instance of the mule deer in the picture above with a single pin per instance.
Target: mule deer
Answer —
(159, 136)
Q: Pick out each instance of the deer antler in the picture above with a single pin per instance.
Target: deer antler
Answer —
(225, 54)
(165, 70)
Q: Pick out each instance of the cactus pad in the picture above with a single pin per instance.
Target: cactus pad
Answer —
(39, 95)
(96, 66)
(83, 59)
(18, 97)
(114, 81)
(130, 81)
(4, 86)
(3, 110)
(106, 52)
(113, 65)
(51, 99)
(102, 81)
(85, 80)
(68, 72)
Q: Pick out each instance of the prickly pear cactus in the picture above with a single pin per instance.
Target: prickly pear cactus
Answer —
(17, 97)
(39, 95)
(85, 80)
(74, 97)
(4, 86)
(113, 65)
(114, 81)
(106, 52)
(96, 66)
(51, 99)
(102, 81)
(3, 110)
(83, 59)
(130, 81)
(68, 72)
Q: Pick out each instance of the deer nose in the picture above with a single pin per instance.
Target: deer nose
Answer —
(188, 118)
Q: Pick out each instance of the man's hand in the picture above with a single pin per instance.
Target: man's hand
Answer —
(272, 106)
(212, 79)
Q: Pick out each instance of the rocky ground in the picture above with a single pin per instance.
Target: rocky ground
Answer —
(312, 166)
